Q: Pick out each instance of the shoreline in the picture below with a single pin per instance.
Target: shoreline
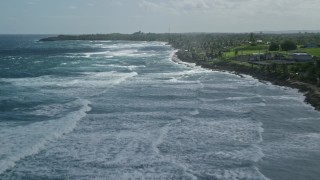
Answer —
(310, 92)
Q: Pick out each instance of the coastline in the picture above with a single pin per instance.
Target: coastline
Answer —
(311, 92)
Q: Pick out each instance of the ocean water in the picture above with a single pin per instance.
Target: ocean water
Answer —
(126, 110)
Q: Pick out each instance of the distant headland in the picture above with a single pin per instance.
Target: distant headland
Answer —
(137, 36)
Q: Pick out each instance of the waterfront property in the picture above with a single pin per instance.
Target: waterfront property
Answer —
(260, 56)
(301, 57)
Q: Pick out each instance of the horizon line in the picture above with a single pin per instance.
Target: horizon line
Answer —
(195, 32)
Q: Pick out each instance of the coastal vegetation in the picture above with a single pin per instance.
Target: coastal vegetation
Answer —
(274, 47)
(288, 45)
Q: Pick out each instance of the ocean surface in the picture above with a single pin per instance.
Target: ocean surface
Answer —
(125, 110)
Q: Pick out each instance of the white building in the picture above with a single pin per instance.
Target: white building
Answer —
(256, 57)
(260, 56)
(301, 57)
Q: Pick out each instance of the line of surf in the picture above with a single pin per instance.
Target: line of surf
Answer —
(22, 141)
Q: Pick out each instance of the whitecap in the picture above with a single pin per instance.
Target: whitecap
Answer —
(22, 141)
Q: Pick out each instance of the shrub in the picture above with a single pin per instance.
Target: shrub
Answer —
(274, 47)
(288, 46)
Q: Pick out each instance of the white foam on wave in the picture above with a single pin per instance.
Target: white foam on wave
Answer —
(48, 110)
(174, 58)
(223, 86)
(193, 84)
(101, 41)
(235, 107)
(89, 55)
(253, 153)
(195, 112)
(239, 173)
(129, 67)
(111, 78)
(239, 98)
(303, 142)
(235, 104)
(286, 97)
(161, 137)
(293, 99)
(135, 45)
(22, 141)
(305, 119)
(129, 53)
(243, 130)
(87, 84)
(96, 79)
(162, 134)
(115, 53)
(178, 74)
(194, 134)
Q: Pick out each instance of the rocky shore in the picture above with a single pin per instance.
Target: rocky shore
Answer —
(311, 92)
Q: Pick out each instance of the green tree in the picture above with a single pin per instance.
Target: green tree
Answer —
(317, 67)
(274, 47)
(252, 39)
(236, 52)
(288, 45)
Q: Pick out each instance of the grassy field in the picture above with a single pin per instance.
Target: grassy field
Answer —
(251, 48)
(312, 51)
(232, 53)
(244, 50)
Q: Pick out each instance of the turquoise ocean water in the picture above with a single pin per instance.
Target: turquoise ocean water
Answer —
(125, 110)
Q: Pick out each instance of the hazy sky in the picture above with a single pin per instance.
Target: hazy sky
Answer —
(128, 16)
